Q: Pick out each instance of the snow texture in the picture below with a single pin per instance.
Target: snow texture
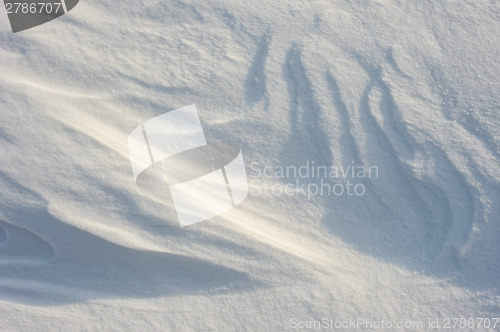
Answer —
(410, 87)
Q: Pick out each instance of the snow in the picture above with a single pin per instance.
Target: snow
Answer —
(408, 87)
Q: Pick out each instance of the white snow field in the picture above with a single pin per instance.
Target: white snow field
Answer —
(408, 88)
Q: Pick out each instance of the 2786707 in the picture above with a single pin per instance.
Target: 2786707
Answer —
(34, 8)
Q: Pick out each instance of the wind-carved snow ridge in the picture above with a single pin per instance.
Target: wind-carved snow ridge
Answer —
(422, 211)
(64, 264)
(22, 246)
(308, 141)
(255, 82)
(441, 205)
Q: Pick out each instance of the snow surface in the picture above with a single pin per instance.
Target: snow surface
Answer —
(408, 86)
